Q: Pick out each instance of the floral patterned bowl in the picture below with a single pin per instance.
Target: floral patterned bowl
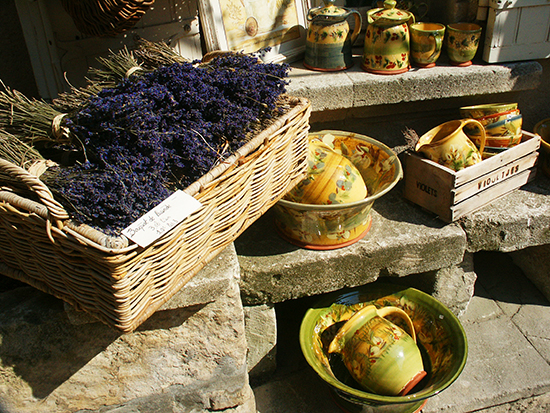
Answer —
(338, 225)
(440, 336)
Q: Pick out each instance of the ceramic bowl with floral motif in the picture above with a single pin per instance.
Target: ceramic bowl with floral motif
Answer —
(338, 225)
(440, 337)
(479, 111)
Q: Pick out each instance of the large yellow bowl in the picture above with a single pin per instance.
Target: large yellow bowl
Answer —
(338, 225)
(542, 128)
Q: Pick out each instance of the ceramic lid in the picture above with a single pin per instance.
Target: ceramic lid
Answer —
(388, 15)
(329, 11)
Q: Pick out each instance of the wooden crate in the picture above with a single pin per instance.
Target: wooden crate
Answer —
(451, 194)
(517, 30)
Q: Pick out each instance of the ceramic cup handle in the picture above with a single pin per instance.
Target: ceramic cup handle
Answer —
(438, 40)
(481, 128)
(384, 311)
(357, 27)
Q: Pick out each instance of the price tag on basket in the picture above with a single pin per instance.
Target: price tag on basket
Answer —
(162, 218)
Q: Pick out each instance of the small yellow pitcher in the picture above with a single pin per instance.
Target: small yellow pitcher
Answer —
(448, 145)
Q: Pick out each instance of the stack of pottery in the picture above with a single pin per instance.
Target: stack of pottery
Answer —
(501, 123)
(383, 348)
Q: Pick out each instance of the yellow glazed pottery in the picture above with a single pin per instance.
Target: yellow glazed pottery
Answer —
(542, 128)
(387, 40)
(426, 43)
(502, 134)
(439, 334)
(479, 111)
(322, 227)
(379, 355)
(497, 117)
(448, 145)
(462, 42)
(329, 39)
(331, 178)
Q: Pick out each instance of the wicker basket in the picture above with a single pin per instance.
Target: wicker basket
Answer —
(106, 18)
(119, 282)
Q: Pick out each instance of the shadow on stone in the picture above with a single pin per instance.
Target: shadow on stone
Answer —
(42, 348)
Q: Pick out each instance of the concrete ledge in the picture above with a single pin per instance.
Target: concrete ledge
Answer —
(516, 221)
(355, 88)
(403, 240)
(183, 358)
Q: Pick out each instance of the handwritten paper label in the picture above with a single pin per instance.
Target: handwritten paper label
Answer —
(161, 219)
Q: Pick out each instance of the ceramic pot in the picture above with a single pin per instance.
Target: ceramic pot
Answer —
(331, 179)
(381, 356)
(323, 227)
(502, 134)
(426, 43)
(439, 334)
(479, 111)
(462, 42)
(329, 40)
(387, 40)
(448, 145)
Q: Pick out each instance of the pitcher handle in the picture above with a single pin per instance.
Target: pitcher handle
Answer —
(357, 27)
(384, 311)
(481, 128)
(438, 44)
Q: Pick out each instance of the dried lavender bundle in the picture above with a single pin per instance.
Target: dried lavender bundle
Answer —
(31, 120)
(160, 131)
(157, 54)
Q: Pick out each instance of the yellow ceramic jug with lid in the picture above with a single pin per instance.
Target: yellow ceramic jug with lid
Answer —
(387, 40)
(329, 39)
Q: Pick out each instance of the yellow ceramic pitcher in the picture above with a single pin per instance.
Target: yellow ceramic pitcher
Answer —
(448, 145)
(381, 356)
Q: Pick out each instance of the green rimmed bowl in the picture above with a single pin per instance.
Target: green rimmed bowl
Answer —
(440, 336)
(323, 227)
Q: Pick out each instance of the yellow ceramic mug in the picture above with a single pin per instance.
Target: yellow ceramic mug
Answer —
(448, 145)
(379, 355)
(462, 42)
(426, 43)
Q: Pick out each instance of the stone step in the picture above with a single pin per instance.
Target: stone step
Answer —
(189, 356)
(507, 325)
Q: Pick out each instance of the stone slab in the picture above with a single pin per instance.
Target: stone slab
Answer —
(403, 240)
(261, 338)
(355, 88)
(189, 359)
(535, 264)
(518, 220)
(496, 371)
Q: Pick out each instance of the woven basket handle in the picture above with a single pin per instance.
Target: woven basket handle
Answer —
(56, 212)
